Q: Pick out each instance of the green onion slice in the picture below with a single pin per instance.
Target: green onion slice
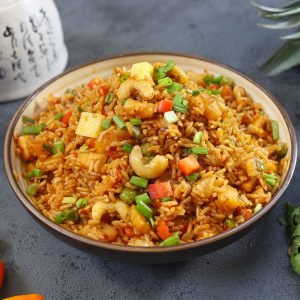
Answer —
(197, 137)
(105, 124)
(135, 121)
(127, 147)
(193, 177)
(144, 209)
(200, 150)
(143, 198)
(119, 122)
(139, 181)
(171, 241)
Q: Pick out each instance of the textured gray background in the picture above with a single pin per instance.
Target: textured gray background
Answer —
(256, 267)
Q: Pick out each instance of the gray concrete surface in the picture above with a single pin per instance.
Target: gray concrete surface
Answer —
(255, 267)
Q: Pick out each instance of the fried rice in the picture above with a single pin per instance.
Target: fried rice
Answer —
(152, 156)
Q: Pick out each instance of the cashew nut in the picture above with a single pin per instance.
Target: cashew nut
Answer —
(138, 221)
(238, 92)
(179, 75)
(139, 109)
(157, 166)
(143, 87)
(100, 208)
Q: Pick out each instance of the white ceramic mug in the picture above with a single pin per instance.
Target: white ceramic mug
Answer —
(32, 48)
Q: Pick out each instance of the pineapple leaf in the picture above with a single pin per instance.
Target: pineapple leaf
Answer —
(293, 36)
(284, 14)
(285, 58)
(293, 22)
(268, 9)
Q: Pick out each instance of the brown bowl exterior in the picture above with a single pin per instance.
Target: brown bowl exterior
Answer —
(151, 254)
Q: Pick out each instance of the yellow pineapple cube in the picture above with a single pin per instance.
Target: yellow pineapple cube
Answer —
(143, 70)
(89, 124)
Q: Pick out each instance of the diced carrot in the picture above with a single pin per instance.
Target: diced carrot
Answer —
(213, 86)
(164, 106)
(128, 230)
(163, 230)
(188, 165)
(227, 93)
(1, 273)
(156, 203)
(160, 190)
(113, 153)
(93, 82)
(66, 118)
(91, 143)
(103, 90)
(245, 212)
(26, 297)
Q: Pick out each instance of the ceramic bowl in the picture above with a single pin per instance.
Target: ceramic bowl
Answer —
(103, 67)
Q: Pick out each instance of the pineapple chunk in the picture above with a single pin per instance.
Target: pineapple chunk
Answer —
(89, 124)
(143, 70)
(228, 199)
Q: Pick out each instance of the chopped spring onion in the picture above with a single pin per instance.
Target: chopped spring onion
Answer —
(31, 130)
(275, 130)
(165, 199)
(127, 195)
(59, 146)
(217, 80)
(161, 71)
(270, 179)
(135, 121)
(136, 131)
(208, 79)
(139, 181)
(109, 98)
(27, 120)
(119, 122)
(282, 150)
(226, 81)
(197, 137)
(170, 117)
(174, 87)
(79, 108)
(144, 209)
(69, 215)
(201, 150)
(49, 148)
(260, 165)
(31, 189)
(152, 222)
(165, 81)
(257, 208)
(143, 198)
(83, 148)
(195, 92)
(192, 177)
(214, 92)
(127, 147)
(124, 76)
(69, 200)
(180, 104)
(105, 124)
(34, 173)
(58, 116)
(82, 202)
(229, 223)
(171, 241)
